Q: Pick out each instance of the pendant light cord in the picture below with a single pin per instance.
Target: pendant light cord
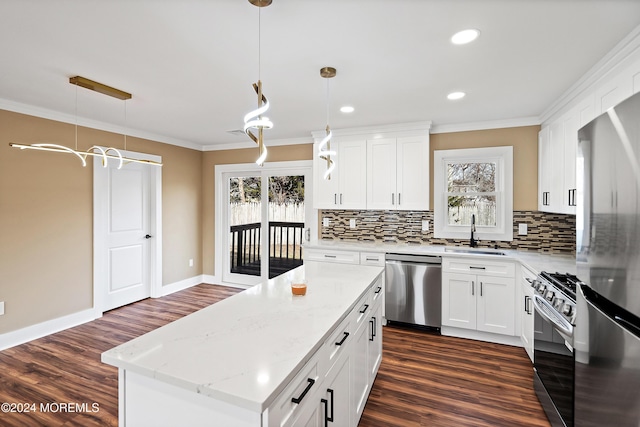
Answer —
(259, 46)
(76, 115)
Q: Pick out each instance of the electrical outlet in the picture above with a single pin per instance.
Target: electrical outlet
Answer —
(191, 262)
(1, 308)
(425, 225)
(522, 229)
(325, 222)
(352, 223)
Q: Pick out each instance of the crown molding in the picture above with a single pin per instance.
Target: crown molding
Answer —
(249, 144)
(627, 50)
(489, 124)
(382, 130)
(45, 113)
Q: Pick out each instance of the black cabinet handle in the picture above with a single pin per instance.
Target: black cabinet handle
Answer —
(346, 334)
(480, 288)
(372, 329)
(364, 309)
(378, 290)
(330, 418)
(326, 412)
(330, 256)
(375, 325)
(304, 393)
(148, 236)
(473, 267)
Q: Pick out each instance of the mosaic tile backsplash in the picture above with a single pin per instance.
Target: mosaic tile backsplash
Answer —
(546, 233)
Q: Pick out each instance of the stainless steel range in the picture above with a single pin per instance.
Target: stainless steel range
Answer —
(555, 317)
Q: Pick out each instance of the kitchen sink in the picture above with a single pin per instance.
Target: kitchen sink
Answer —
(473, 251)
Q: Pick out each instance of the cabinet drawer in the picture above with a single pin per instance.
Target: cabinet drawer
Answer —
(377, 290)
(372, 258)
(303, 387)
(361, 311)
(343, 257)
(479, 266)
(337, 344)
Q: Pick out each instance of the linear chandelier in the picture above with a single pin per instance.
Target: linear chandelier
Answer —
(324, 148)
(94, 151)
(254, 119)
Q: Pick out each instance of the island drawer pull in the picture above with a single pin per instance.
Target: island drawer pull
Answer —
(378, 290)
(329, 256)
(473, 267)
(364, 309)
(297, 400)
(346, 334)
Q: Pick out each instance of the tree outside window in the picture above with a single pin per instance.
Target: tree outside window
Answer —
(471, 190)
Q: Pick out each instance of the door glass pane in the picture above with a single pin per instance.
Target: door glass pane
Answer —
(245, 200)
(286, 223)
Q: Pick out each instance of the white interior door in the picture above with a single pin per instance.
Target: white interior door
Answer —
(124, 234)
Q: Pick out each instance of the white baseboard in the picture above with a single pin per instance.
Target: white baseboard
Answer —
(181, 285)
(210, 279)
(21, 336)
(481, 336)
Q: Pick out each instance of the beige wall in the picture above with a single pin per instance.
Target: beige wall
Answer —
(226, 157)
(46, 208)
(525, 157)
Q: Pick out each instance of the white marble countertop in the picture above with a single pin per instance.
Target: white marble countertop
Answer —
(534, 261)
(245, 349)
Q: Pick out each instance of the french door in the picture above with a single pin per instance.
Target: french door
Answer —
(266, 218)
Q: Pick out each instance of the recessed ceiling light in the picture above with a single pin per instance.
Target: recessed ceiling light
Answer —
(347, 109)
(456, 95)
(465, 36)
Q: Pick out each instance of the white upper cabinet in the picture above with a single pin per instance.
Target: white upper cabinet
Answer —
(383, 168)
(346, 189)
(558, 149)
(398, 173)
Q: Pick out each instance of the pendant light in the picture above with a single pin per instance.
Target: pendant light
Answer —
(324, 149)
(94, 151)
(254, 119)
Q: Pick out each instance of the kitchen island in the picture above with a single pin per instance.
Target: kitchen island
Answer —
(263, 357)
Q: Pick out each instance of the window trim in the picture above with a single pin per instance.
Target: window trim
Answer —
(503, 157)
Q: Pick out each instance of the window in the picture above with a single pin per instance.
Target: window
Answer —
(474, 182)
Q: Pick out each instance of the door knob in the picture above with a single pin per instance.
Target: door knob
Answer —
(148, 236)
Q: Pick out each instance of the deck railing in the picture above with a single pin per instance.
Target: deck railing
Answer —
(285, 247)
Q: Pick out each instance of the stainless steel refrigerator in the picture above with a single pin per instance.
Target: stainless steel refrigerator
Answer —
(607, 332)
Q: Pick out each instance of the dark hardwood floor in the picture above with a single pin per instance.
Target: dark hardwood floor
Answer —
(424, 379)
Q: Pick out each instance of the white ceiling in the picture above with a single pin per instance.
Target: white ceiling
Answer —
(190, 63)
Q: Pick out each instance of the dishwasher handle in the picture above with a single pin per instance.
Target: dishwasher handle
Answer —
(412, 259)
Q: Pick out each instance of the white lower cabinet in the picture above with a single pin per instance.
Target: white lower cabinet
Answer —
(526, 312)
(480, 301)
(343, 371)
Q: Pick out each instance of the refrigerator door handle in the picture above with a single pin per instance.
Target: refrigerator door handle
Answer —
(628, 325)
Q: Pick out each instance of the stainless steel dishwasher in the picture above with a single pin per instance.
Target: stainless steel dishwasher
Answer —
(413, 290)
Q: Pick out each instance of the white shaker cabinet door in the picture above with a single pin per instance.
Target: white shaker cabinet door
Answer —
(459, 300)
(496, 305)
(412, 173)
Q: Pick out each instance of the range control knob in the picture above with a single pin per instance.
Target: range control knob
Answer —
(558, 303)
(541, 288)
(549, 295)
(567, 310)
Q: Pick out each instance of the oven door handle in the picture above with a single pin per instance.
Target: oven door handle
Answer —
(546, 310)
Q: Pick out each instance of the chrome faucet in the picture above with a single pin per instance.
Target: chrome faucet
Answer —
(473, 242)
